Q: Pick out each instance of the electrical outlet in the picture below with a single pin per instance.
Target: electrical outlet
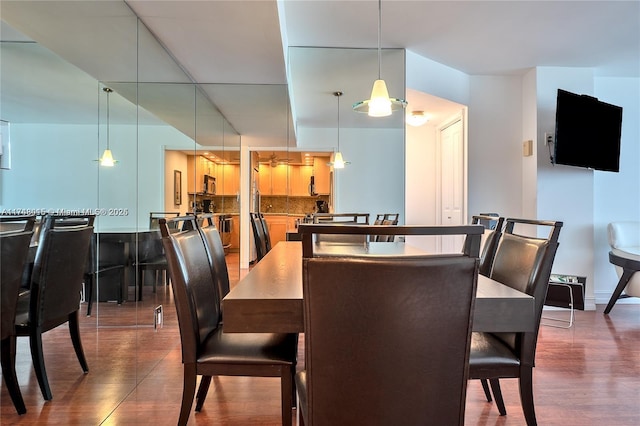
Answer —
(548, 138)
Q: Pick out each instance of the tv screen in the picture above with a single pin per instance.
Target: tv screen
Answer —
(587, 132)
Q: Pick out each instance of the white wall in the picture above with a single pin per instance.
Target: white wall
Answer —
(374, 181)
(616, 195)
(55, 167)
(495, 145)
(565, 193)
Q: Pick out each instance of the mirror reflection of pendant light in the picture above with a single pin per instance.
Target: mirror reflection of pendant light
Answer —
(338, 162)
(107, 158)
(379, 104)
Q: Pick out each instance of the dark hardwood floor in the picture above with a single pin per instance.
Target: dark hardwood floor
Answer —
(586, 375)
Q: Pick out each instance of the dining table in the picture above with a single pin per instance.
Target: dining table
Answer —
(269, 298)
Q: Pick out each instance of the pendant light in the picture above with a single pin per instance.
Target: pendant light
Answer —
(338, 162)
(379, 104)
(107, 158)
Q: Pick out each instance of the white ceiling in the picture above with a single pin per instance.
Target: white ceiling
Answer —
(244, 42)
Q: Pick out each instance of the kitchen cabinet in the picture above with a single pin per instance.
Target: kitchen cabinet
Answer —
(299, 178)
(277, 225)
(235, 233)
(227, 179)
(321, 173)
(274, 180)
(197, 167)
(279, 180)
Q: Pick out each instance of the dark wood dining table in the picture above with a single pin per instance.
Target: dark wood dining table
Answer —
(269, 298)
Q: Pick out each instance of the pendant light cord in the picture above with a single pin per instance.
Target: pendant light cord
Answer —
(379, 45)
(107, 90)
(338, 94)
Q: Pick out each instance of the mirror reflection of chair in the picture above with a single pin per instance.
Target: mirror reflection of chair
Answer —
(14, 249)
(385, 219)
(206, 350)
(523, 263)
(151, 255)
(259, 236)
(56, 286)
(104, 258)
(381, 355)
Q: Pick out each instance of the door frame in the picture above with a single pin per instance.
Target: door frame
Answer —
(462, 116)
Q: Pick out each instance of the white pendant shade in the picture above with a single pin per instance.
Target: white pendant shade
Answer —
(107, 159)
(338, 162)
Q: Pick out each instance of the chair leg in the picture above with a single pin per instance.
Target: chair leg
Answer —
(286, 386)
(485, 387)
(205, 381)
(8, 361)
(88, 292)
(526, 395)
(497, 395)
(37, 357)
(624, 280)
(74, 331)
(188, 392)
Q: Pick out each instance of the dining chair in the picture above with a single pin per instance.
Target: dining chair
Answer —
(14, 249)
(489, 243)
(151, 255)
(206, 350)
(490, 238)
(267, 236)
(104, 258)
(258, 235)
(56, 286)
(386, 354)
(314, 235)
(524, 263)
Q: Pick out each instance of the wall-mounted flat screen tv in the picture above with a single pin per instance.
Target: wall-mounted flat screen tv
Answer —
(587, 132)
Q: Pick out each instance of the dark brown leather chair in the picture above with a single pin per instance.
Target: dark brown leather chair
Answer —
(488, 246)
(381, 354)
(105, 258)
(267, 236)
(151, 255)
(56, 286)
(206, 350)
(258, 235)
(14, 249)
(490, 240)
(523, 263)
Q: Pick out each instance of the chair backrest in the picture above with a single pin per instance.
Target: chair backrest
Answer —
(312, 234)
(490, 239)
(17, 223)
(258, 235)
(524, 263)
(194, 289)
(14, 249)
(342, 218)
(59, 267)
(267, 236)
(397, 351)
(387, 219)
(154, 218)
(624, 234)
(215, 251)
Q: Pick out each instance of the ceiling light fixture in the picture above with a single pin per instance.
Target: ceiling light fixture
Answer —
(107, 157)
(379, 104)
(338, 162)
(417, 118)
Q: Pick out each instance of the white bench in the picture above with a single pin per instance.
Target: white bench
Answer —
(624, 239)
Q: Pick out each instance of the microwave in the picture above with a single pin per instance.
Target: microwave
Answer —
(209, 185)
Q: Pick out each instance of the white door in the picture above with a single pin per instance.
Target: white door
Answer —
(452, 182)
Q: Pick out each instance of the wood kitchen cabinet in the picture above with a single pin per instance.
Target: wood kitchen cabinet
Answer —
(321, 173)
(227, 179)
(197, 167)
(299, 178)
(278, 225)
(274, 180)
